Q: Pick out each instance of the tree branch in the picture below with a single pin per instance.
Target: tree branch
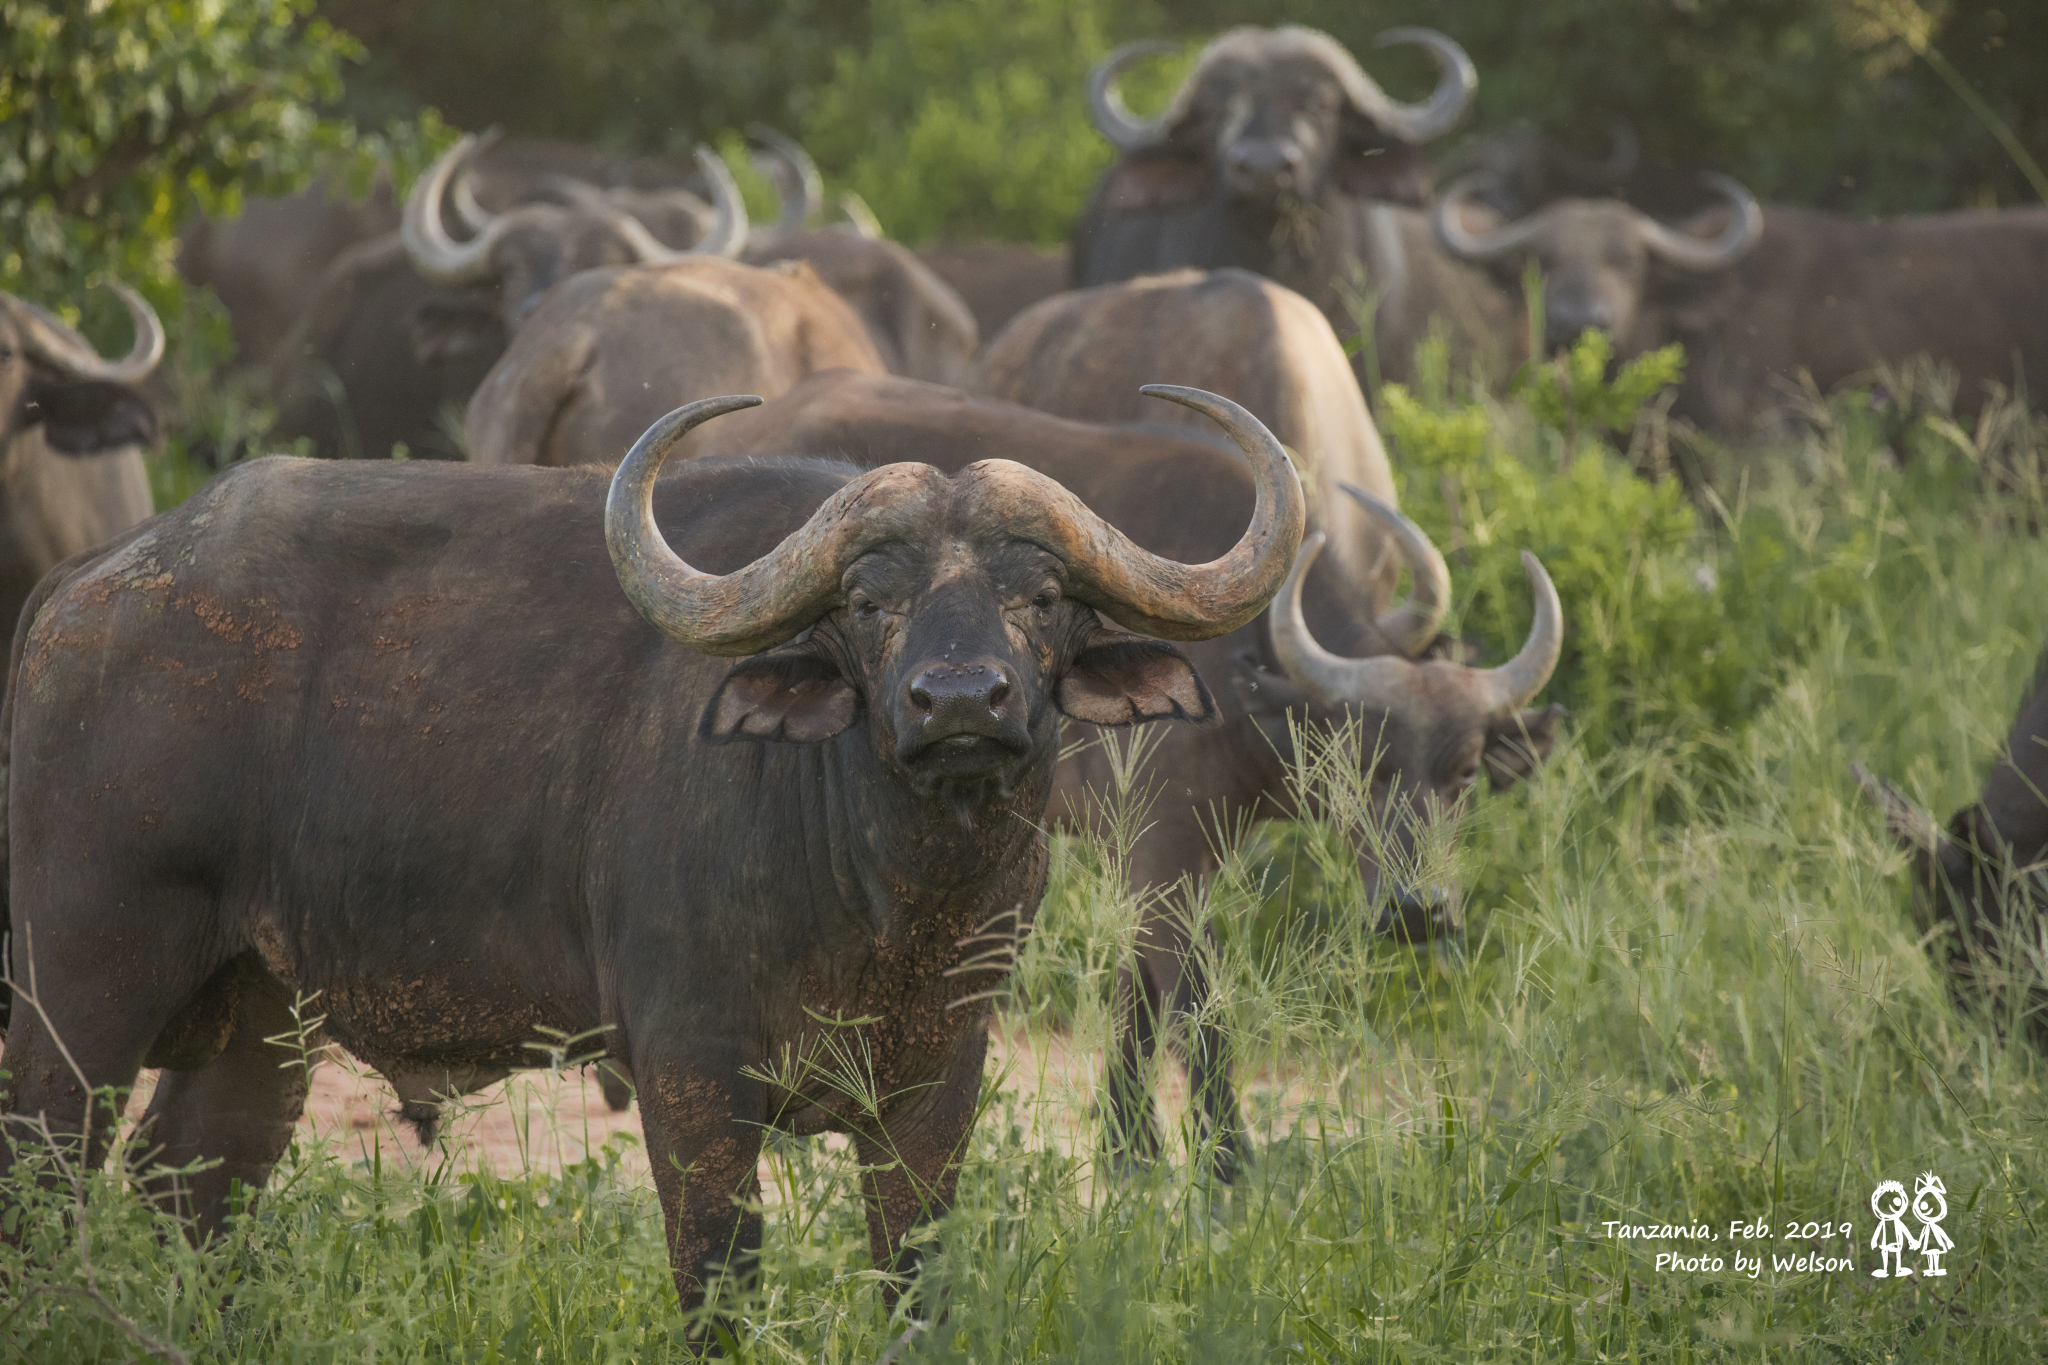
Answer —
(135, 146)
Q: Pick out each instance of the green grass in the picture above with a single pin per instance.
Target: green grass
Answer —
(1695, 990)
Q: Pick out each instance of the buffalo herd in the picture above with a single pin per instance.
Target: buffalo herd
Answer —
(752, 765)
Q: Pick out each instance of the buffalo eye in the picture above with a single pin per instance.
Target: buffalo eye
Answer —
(867, 609)
(1466, 779)
(1047, 599)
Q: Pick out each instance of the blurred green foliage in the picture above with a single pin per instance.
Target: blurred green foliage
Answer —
(120, 119)
(966, 117)
(1674, 622)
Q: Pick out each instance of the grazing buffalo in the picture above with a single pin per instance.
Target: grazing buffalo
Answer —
(265, 263)
(610, 350)
(72, 431)
(1258, 342)
(920, 327)
(1325, 657)
(403, 328)
(1761, 296)
(393, 734)
(1985, 874)
(996, 280)
(1278, 154)
(918, 324)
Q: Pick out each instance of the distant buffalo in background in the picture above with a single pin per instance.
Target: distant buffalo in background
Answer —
(1278, 154)
(1984, 874)
(72, 432)
(1758, 296)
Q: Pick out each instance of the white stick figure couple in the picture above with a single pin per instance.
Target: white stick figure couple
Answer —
(1893, 1238)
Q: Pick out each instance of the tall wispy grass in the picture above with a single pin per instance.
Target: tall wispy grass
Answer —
(1694, 990)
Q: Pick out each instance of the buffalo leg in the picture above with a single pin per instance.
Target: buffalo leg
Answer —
(909, 1176)
(237, 1111)
(1133, 1134)
(1211, 1086)
(703, 1127)
(80, 1025)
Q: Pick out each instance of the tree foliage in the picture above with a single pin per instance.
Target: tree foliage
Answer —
(119, 118)
(966, 117)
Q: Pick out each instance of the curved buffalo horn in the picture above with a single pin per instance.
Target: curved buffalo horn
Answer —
(1457, 79)
(1515, 683)
(728, 234)
(462, 198)
(1381, 683)
(63, 349)
(776, 596)
(810, 197)
(435, 254)
(1411, 625)
(1124, 130)
(1135, 587)
(1476, 246)
(1330, 679)
(860, 217)
(1688, 252)
(1915, 829)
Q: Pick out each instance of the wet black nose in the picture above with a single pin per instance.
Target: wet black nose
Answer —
(1563, 324)
(1271, 160)
(1417, 914)
(960, 699)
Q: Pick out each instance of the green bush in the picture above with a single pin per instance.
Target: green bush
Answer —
(121, 119)
(970, 119)
(966, 118)
(1672, 621)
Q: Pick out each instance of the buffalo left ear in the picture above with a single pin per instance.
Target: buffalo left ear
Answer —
(798, 696)
(1120, 679)
(1515, 746)
(1392, 175)
(87, 417)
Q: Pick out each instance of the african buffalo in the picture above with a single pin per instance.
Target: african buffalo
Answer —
(919, 326)
(1256, 341)
(1758, 296)
(265, 263)
(1985, 874)
(610, 350)
(402, 328)
(1326, 656)
(1273, 156)
(996, 280)
(72, 431)
(392, 733)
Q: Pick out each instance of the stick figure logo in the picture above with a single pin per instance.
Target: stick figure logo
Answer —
(1930, 1206)
(1891, 1239)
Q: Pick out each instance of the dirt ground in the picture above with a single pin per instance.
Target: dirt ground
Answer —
(545, 1120)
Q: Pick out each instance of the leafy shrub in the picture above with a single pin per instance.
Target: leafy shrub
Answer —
(1669, 621)
(971, 119)
(121, 119)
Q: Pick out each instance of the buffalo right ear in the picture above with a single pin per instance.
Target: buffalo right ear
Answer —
(798, 696)
(1517, 745)
(1120, 679)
